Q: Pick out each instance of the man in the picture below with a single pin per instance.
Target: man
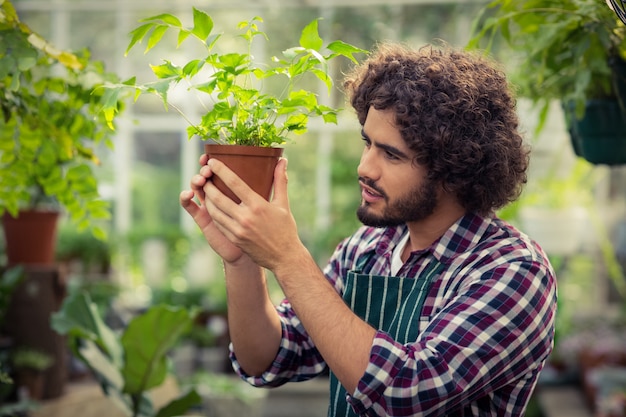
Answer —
(435, 306)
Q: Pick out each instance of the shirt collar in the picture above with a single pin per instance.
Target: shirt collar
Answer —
(464, 234)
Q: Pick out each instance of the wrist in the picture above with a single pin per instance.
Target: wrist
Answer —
(244, 262)
(294, 264)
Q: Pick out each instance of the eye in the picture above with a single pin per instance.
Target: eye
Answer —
(391, 156)
(367, 142)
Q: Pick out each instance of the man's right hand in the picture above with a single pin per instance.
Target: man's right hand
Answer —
(220, 244)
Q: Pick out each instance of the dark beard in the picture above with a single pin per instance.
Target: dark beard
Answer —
(415, 205)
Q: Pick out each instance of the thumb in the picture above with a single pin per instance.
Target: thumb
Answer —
(280, 183)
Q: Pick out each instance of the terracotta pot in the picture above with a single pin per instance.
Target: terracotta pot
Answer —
(254, 165)
(31, 237)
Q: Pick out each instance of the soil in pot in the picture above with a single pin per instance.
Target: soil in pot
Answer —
(254, 165)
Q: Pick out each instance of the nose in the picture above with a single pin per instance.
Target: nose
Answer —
(367, 166)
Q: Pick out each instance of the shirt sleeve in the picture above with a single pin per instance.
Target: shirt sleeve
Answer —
(496, 330)
(297, 358)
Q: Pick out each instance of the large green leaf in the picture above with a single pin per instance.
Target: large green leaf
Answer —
(79, 317)
(146, 342)
(108, 374)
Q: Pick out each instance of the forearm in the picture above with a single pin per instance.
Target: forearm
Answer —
(342, 338)
(254, 325)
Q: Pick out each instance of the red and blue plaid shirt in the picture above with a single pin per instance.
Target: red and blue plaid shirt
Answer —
(486, 328)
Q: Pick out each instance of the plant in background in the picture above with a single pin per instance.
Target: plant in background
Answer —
(50, 125)
(9, 280)
(91, 254)
(127, 365)
(29, 365)
(569, 50)
(237, 109)
(31, 359)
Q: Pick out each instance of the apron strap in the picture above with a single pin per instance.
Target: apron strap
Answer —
(391, 304)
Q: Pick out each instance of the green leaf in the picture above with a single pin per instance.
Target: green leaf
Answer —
(146, 342)
(202, 24)
(296, 123)
(79, 317)
(238, 112)
(192, 67)
(291, 53)
(324, 77)
(310, 38)
(182, 35)
(156, 36)
(330, 117)
(109, 116)
(166, 70)
(101, 364)
(11, 277)
(99, 232)
(346, 50)
(137, 35)
(165, 18)
(161, 88)
(179, 406)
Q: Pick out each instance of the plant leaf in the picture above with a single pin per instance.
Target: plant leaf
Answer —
(202, 24)
(79, 317)
(345, 49)
(166, 18)
(101, 364)
(165, 70)
(310, 38)
(146, 341)
(180, 405)
(156, 36)
(137, 36)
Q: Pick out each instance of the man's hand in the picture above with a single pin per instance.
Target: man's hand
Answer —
(220, 244)
(265, 231)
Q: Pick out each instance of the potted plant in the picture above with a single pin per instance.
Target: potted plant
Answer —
(50, 131)
(29, 365)
(572, 51)
(130, 364)
(240, 108)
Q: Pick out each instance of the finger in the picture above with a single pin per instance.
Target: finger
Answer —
(215, 199)
(206, 172)
(203, 159)
(219, 206)
(197, 211)
(197, 183)
(280, 184)
(232, 181)
(187, 202)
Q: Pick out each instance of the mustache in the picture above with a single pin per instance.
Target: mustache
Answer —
(372, 184)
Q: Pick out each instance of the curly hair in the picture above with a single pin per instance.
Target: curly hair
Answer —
(456, 111)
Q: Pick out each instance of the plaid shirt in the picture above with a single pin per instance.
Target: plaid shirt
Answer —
(486, 328)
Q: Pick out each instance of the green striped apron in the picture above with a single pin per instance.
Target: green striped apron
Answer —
(391, 304)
